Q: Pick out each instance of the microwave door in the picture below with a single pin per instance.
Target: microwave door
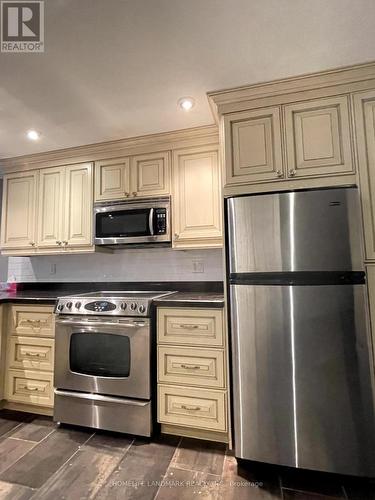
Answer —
(123, 225)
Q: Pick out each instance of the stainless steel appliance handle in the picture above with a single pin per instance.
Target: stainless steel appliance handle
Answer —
(104, 399)
(151, 221)
(81, 324)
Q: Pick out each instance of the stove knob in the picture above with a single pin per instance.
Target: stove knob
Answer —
(60, 307)
(69, 305)
(78, 305)
(133, 306)
(124, 305)
(142, 309)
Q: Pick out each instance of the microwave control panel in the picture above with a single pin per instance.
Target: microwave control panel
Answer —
(161, 221)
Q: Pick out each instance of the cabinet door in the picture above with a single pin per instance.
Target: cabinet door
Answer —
(151, 174)
(253, 146)
(318, 139)
(364, 105)
(19, 210)
(370, 271)
(78, 205)
(50, 207)
(197, 218)
(112, 179)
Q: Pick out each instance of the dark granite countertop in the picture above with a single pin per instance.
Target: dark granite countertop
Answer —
(194, 299)
(189, 294)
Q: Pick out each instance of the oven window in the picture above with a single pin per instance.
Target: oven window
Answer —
(124, 223)
(100, 354)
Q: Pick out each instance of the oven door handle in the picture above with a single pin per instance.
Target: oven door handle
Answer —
(151, 221)
(100, 398)
(86, 324)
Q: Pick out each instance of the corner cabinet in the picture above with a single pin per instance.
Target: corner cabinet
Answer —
(48, 211)
(19, 208)
(196, 198)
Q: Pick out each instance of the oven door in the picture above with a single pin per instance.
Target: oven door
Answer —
(106, 356)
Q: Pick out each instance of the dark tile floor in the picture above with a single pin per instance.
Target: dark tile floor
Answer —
(40, 461)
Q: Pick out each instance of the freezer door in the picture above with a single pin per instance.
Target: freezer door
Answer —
(318, 230)
(302, 393)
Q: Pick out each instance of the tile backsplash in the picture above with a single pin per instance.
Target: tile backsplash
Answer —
(152, 264)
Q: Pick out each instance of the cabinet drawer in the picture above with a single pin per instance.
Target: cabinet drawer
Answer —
(189, 407)
(31, 353)
(194, 366)
(32, 320)
(31, 387)
(190, 326)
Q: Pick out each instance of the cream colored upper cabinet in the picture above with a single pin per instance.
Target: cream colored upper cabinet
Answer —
(50, 207)
(18, 226)
(77, 230)
(112, 179)
(364, 107)
(253, 151)
(318, 139)
(150, 174)
(197, 218)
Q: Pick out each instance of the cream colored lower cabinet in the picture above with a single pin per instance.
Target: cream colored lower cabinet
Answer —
(29, 360)
(196, 198)
(192, 373)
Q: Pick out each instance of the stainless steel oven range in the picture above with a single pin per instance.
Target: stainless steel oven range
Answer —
(103, 361)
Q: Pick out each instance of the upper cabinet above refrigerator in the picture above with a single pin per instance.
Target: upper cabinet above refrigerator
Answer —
(315, 230)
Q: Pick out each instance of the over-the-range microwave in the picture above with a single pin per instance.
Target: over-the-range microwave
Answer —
(133, 222)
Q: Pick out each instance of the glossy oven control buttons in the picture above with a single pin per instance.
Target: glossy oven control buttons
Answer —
(60, 307)
(123, 306)
(142, 309)
(69, 305)
(133, 306)
(78, 305)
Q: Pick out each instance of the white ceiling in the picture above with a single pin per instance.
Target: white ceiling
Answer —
(116, 68)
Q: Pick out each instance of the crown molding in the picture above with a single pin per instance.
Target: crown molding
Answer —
(123, 147)
(221, 100)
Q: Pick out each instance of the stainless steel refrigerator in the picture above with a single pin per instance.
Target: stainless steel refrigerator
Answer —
(301, 350)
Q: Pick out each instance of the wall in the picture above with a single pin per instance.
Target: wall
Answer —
(123, 265)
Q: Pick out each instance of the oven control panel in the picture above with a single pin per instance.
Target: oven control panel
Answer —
(102, 307)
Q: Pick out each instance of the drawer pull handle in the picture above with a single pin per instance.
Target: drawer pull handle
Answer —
(31, 389)
(191, 408)
(35, 355)
(189, 327)
(191, 367)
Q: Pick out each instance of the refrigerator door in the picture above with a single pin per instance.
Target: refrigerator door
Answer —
(318, 230)
(301, 376)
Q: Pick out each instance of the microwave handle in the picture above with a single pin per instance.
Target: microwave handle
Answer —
(151, 221)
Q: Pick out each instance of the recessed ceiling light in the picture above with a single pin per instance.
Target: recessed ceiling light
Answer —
(186, 103)
(33, 135)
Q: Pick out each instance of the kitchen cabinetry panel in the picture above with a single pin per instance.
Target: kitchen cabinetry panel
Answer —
(318, 139)
(151, 174)
(197, 204)
(29, 387)
(78, 215)
(37, 321)
(50, 209)
(365, 131)
(253, 146)
(199, 408)
(191, 366)
(112, 179)
(190, 326)
(19, 210)
(31, 353)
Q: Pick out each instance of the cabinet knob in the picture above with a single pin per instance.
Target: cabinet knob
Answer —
(176, 236)
(58, 242)
(279, 173)
(134, 193)
(292, 173)
(65, 243)
(32, 243)
(127, 194)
